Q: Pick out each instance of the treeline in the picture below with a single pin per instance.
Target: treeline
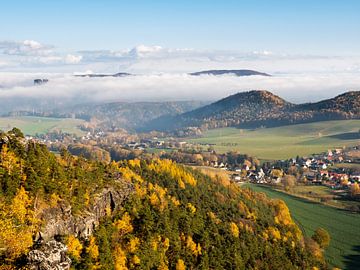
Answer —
(191, 156)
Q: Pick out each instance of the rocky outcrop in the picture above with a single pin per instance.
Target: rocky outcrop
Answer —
(49, 256)
(61, 220)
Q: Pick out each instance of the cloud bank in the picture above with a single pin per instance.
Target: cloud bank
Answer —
(300, 88)
(162, 74)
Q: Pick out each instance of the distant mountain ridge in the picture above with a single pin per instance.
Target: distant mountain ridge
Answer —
(120, 74)
(261, 108)
(236, 72)
(214, 72)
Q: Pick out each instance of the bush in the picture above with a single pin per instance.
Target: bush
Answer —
(322, 237)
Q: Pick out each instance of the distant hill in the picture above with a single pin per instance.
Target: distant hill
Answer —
(236, 72)
(261, 108)
(124, 115)
(120, 74)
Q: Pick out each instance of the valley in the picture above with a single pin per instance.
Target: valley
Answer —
(282, 142)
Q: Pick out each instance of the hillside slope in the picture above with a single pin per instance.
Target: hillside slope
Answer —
(136, 214)
(262, 108)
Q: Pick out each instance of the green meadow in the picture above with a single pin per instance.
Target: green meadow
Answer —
(31, 125)
(283, 142)
(343, 227)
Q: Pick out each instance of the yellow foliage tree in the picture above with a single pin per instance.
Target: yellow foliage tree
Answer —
(191, 208)
(192, 246)
(54, 200)
(8, 159)
(274, 233)
(135, 260)
(180, 265)
(20, 206)
(133, 244)
(119, 258)
(282, 214)
(124, 224)
(93, 249)
(17, 225)
(74, 246)
(154, 199)
(234, 229)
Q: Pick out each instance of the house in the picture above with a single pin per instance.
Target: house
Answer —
(261, 174)
(236, 177)
(322, 166)
(310, 176)
(276, 180)
(160, 143)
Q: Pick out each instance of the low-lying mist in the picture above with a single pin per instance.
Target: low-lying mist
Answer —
(18, 91)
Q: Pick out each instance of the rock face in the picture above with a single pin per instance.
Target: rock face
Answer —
(58, 221)
(49, 256)
(61, 221)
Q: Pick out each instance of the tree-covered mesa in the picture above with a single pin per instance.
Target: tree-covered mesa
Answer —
(175, 217)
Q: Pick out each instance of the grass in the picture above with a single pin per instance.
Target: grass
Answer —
(354, 166)
(324, 195)
(343, 227)
(31, 125)
(283, 142)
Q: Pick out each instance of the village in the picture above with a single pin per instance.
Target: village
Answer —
(336, 169)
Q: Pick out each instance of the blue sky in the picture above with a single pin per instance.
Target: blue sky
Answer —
(296, 26)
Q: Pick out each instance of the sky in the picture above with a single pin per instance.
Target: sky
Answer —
(296, 26)
(310, 47)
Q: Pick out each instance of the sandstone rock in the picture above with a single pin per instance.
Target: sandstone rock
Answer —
(61, 221)
(49, 256)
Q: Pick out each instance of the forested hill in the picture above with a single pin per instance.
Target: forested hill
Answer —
(57, 211)
(261, 108)
(120, 115)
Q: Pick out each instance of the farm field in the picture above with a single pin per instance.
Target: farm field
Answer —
(283, 142)
(31, 125)
(343, 227)
(323, 195)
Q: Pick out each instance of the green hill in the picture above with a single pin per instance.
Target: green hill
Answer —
(259, 108)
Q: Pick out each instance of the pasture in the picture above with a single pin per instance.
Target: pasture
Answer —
(343, 227)
(283, 142)
(31, 125)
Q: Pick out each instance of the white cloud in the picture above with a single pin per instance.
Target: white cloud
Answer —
(30, 54)
(73, 59)
(25, 48)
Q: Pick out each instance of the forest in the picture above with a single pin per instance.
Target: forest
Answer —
(170, 216)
